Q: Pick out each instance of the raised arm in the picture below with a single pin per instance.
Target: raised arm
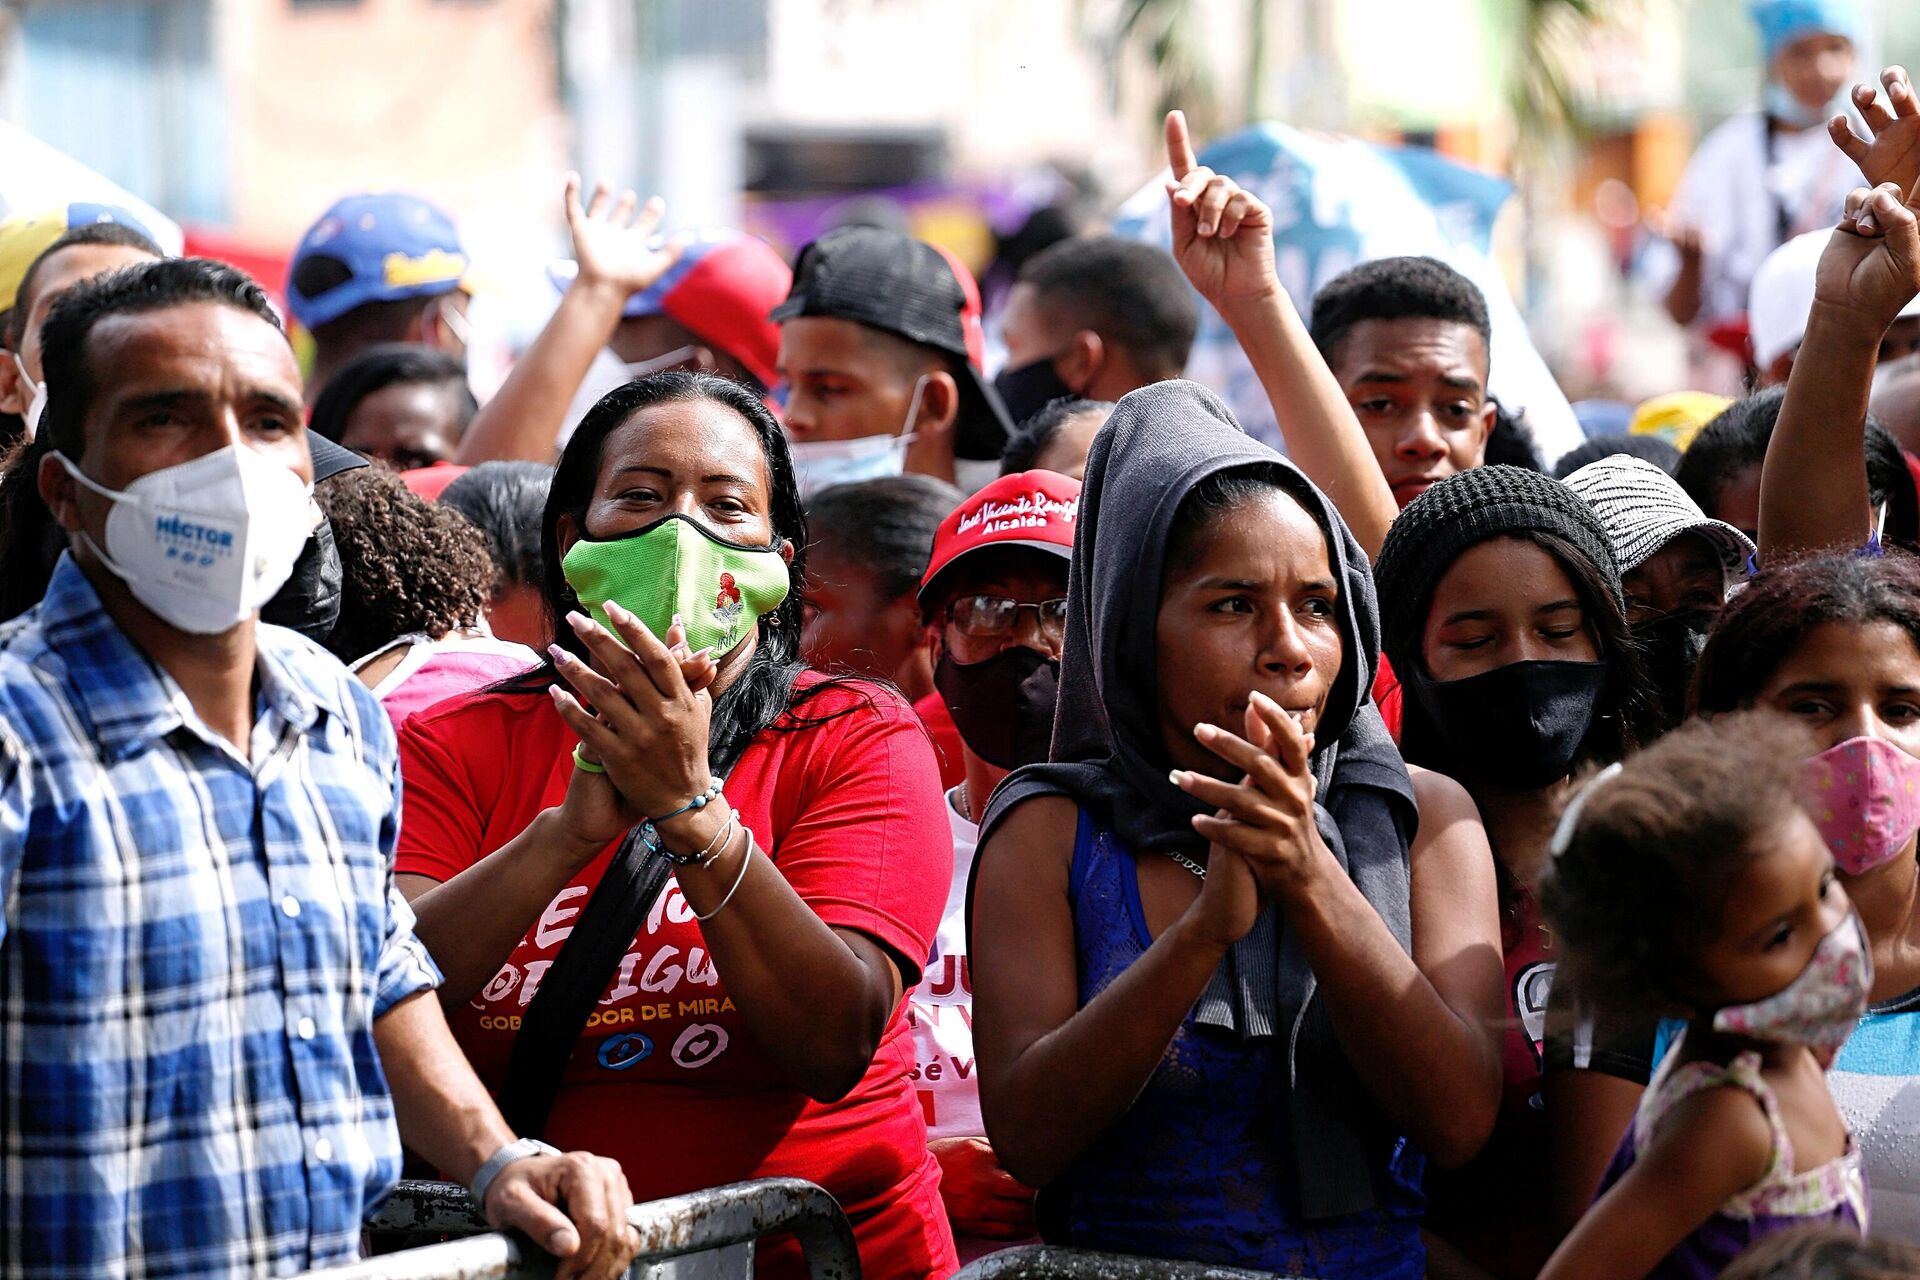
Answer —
(1813, 485)
(617, 258)
(1223, 240)
(1813, 488)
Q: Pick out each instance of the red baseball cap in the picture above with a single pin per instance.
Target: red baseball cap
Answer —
(428, 483)
(721, 288)
(1037, 509)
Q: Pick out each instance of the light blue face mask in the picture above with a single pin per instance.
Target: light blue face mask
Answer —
(821, 464)
(1781, 105)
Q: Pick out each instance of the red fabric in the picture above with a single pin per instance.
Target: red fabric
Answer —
(724, 299)
(670, 1081)
(1386, 696)
(1494, 1209)
(1031, 509)
(1913, 468)
(427, 483)
(933, 713)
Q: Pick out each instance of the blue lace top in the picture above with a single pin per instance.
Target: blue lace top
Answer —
(1198, 1168)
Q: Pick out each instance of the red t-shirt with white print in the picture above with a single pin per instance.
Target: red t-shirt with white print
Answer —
(667, 1079)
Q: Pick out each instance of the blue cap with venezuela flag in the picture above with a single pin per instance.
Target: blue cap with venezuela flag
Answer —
(25, 236)
(373, 247)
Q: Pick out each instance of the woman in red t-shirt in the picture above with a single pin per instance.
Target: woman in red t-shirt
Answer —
(752, 1026)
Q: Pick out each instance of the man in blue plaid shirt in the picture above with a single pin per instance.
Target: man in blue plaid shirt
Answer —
(213, 1009)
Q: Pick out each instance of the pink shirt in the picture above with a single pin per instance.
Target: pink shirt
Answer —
(434, 670)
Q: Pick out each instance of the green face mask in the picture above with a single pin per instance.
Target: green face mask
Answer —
(719, 589)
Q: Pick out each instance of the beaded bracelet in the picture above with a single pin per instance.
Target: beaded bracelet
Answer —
(699, 802)
(650, 832)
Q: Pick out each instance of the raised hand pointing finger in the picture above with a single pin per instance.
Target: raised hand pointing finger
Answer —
(1179, 145)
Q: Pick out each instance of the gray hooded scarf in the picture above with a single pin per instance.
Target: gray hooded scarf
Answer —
(1161, 442)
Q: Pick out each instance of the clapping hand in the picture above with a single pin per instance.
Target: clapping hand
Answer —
(1893, 154)
(615, 246)
(641, 711)
(1267, 817)
(1222, 234)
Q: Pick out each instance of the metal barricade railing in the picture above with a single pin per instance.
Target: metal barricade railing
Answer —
(1047, 1262)
(730, 1218)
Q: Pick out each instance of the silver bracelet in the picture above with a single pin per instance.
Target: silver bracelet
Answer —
(519, 1149)
(745, 858)
(720, 840)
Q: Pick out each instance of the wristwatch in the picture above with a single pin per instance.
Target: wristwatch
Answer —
(518, 1149)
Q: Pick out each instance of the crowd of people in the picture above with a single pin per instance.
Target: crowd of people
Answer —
(1028, 807)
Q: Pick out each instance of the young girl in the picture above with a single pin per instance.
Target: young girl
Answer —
(1691, 876)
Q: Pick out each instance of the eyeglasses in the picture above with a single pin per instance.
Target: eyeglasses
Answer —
(994, 617)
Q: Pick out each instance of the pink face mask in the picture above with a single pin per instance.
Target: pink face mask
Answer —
(1820, 1007)
(1864, 795)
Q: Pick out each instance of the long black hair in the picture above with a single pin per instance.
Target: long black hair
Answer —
(764, 696)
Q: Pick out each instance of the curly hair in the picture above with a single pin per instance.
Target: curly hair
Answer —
(407, 565)
(1825, 1252)
(1655, 852)
(1762, 626)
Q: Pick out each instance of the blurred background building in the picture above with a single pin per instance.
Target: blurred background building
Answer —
(957, 118)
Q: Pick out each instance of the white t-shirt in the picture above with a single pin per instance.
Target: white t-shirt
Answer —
(940, 1010)
(1733, 191)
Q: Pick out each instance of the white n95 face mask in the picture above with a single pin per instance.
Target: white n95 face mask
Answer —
(821, 464)
(205, 543)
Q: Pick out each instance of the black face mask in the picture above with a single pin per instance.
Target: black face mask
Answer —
(1030, 388)
(1517, 726)
(1003, 707)
(1670, 648)
(309, 600)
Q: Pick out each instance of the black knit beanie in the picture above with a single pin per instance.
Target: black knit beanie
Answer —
(1464, 509)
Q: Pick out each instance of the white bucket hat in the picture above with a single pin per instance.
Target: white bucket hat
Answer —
(1644, 508)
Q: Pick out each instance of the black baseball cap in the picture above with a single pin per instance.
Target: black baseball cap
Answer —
(330, 459)
(913, 290)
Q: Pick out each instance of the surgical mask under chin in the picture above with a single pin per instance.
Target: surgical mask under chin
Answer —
(205, 543)
(679, 567)
(820, 464)
(1821, 1006)
(1864, 796)
(1781, 105)
(35, 406)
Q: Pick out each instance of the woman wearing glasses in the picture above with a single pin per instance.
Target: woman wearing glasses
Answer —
(994, 599)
